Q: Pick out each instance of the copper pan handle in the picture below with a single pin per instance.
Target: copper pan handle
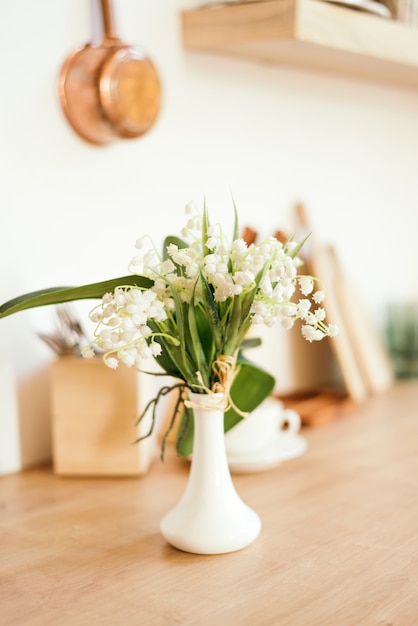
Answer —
(108, 19)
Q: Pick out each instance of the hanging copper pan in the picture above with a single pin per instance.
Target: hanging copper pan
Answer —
(78, 92)
(109, 90)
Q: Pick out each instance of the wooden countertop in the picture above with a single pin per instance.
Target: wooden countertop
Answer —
(339, 545)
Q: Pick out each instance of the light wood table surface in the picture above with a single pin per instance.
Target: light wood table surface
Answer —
(339, 545)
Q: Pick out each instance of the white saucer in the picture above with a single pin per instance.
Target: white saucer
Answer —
(285, 447)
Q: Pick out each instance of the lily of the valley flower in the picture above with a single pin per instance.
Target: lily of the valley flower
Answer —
(206, 294)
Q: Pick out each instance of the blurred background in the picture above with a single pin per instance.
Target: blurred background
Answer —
(269, 136)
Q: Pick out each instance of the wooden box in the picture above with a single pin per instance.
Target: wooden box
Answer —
(94, 414)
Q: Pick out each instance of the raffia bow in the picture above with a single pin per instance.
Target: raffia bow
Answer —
(225, 369)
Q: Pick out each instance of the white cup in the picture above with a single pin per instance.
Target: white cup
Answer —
(262, 428)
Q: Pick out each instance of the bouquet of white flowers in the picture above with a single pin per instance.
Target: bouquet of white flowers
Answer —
(192, 307)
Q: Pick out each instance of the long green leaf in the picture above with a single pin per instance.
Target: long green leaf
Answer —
(247, 298)
(59, 295)
(164, 359)
(205, 334)
(196, 340)
(233, 326)
(205, 226)
(235, 233)
(297, 248)
(179, 354)
(175, 355)
(211, 312)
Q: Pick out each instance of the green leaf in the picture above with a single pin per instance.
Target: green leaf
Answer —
(234, 324)
(235, 233)
(171, 356)
(59, 295)
(164, 359)
(205, 226)
(173, 240)
(300, 245)
(179, 355)
(247, 298)
(211, 312)
(185, 435)
(196, 341)
(205, 334)
(252, 342)
(251, 386)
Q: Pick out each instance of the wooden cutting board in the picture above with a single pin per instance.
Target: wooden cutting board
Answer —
(372, 357)
(363, 361)
(342, 344)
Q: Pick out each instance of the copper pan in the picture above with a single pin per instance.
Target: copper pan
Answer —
(129, 86)
(79, 95)
(109, 90)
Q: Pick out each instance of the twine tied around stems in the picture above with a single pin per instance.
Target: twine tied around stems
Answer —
(220, 395)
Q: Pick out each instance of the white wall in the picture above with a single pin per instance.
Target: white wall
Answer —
(71, 212)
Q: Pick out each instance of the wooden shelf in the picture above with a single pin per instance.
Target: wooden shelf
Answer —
(307, 34)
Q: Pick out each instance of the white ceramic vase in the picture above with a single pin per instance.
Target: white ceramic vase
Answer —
(210, 517)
